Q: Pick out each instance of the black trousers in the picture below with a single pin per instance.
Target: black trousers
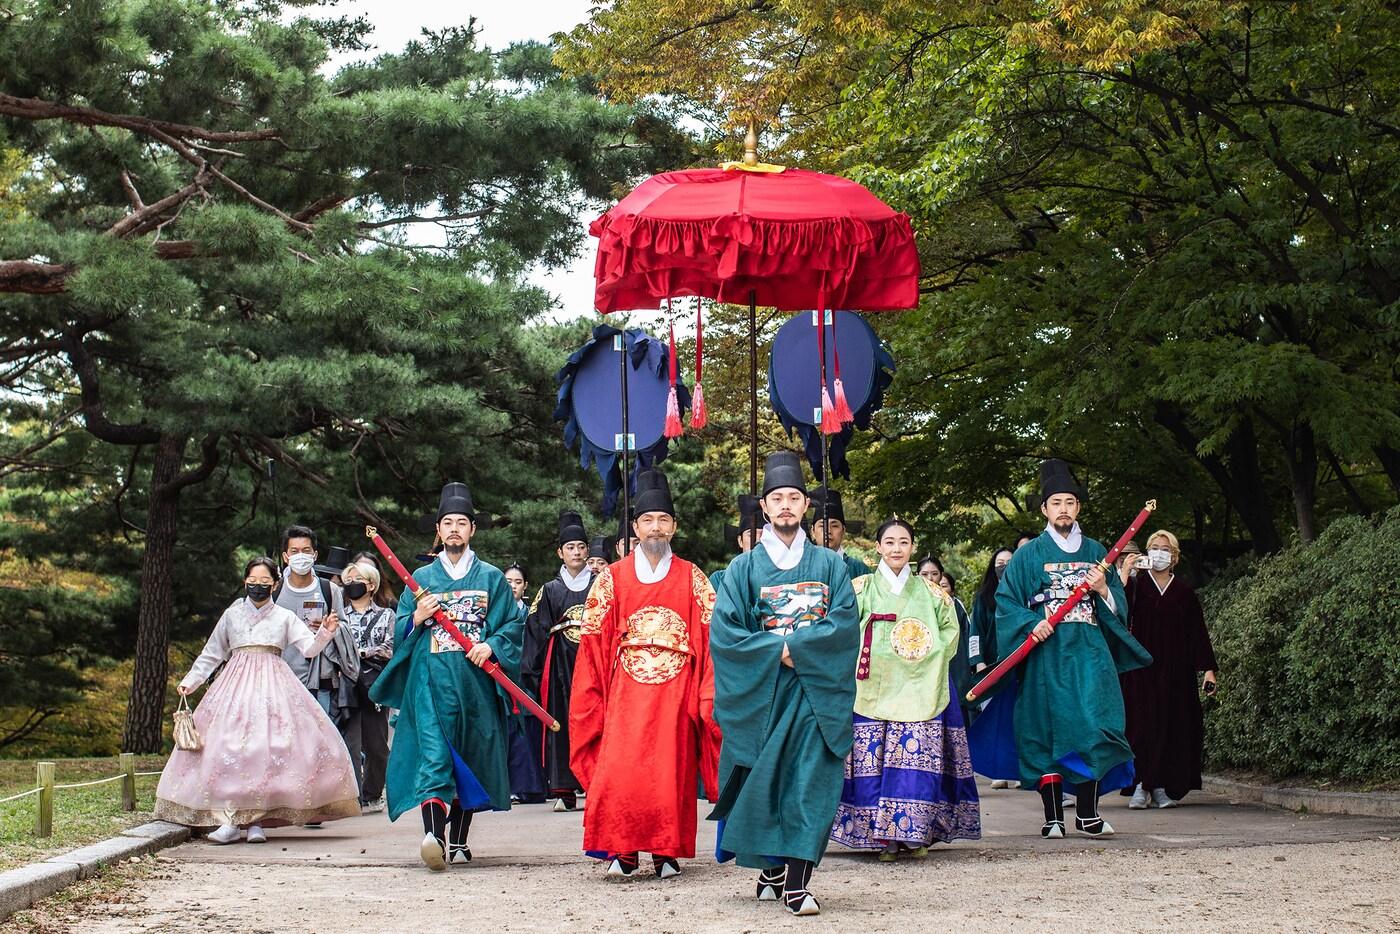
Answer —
(367, 734)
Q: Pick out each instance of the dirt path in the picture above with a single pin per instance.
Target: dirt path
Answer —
(1206, 867)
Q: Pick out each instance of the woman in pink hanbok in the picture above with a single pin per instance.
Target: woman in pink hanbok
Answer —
(271, 756)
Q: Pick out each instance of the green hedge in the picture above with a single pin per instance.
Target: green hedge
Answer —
(1308, 642)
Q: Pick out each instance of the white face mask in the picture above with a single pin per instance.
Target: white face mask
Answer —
(1160, 558)
(302, 564)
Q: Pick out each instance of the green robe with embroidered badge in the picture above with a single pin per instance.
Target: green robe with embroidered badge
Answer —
(907, 681)
(1069, 707)
(786, 730)
(446, 703)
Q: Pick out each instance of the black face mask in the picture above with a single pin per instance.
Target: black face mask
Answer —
(355, 589)
(259, 592)
(1000, 571)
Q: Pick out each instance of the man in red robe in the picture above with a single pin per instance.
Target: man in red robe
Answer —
(641, 715)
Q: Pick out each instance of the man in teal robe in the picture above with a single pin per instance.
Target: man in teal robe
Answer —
(784, 639)
(450, 752)
(1068, 721)
(829, 528)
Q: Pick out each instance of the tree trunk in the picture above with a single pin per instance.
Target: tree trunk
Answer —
(1300, 450)
(1390, 463)
(1236, 473)
(145, 712)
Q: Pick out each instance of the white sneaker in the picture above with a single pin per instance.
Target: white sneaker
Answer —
(1000, 783)
(256, 834)
(1138, 802)
(1160, 799)
(227, 833)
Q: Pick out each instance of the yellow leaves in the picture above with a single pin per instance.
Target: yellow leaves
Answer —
(23, 574)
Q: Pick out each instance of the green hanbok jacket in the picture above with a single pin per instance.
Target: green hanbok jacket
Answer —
(906, 680)
(1069, 708)
(450, 739)
(786, 730)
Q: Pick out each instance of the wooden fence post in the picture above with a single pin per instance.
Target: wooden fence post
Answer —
(44, 778)
(128, 767)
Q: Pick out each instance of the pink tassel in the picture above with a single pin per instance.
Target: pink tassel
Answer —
(830, 423)
(674, 428)
(843, 408)
(699, 415)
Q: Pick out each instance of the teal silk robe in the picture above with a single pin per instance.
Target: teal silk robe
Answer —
(1069, 708)
(450, 739)
(786, 730)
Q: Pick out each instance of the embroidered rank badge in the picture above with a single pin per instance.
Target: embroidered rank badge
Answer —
(783, 608)
(466, 608)
(1064, 577)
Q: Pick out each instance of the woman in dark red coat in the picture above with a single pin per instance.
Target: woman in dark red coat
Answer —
(1164, 722)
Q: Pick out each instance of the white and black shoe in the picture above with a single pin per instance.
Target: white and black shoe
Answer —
(666, 867)
(770, 883)
(622, 866)
(1093, 827)
(1053, 830)
(458, 851)
(433, 853)
(796, 899)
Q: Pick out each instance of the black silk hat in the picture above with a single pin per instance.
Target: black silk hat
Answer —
(783, 469)
(829, 501)
(653, 494)
(456, 499)
(1056, 477)
(600, 546)
(571, 528)
(750, 517)
(335, 561)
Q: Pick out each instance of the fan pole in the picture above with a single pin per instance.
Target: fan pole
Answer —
(753, 392)
(825, 480)
(621, 344)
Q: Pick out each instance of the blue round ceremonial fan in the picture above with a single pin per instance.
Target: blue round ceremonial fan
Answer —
(589, 403)
(795, 382)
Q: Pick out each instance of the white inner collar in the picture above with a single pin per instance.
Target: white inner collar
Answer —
(645, 572)
(578, 583)
(895, 581)
(457, 570)
(1068, 543)
(784, 557)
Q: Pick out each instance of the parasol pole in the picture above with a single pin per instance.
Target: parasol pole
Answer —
(826, 478)
(620, 343)
(753, 392)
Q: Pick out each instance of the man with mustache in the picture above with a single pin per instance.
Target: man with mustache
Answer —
(641, 715)
(785, 639)
(451, 742)
(1068, 724)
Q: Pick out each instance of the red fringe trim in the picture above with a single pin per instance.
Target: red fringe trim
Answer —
(830, 423)
(674, 428)
(699, 415)
(843, 408)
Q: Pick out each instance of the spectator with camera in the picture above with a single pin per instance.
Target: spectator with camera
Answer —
(1165, 726)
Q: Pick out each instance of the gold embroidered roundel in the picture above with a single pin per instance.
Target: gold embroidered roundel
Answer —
(911, 639)
(645, 653)
(574, 614)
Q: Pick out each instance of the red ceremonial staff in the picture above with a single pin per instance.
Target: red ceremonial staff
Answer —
(491, 667)
(1024, 649)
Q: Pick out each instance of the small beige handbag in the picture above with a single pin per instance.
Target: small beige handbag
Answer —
(185, 735)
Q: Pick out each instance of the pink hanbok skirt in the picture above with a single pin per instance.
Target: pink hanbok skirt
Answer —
(271, 756)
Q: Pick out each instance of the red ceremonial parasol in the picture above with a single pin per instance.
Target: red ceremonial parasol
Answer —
(781, 237)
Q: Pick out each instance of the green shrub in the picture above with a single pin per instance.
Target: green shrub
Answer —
(1309, 649)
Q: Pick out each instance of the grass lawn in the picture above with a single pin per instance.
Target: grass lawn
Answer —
(80, 815)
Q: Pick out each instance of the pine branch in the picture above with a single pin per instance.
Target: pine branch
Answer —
(32, 108)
